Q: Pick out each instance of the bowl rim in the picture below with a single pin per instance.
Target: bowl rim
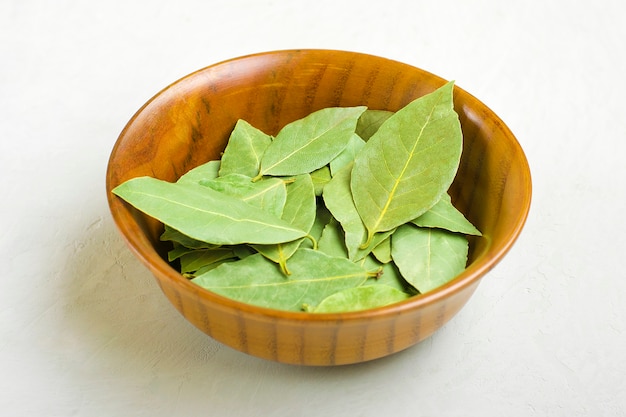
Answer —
(470, 276)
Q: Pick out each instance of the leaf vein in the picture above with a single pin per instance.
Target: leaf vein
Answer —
(215, 213)
(398, 179)
(292, 282)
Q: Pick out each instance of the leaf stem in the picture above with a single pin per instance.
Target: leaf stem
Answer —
(376, 274)
(367, 243)
(283, 266)
(312, 239)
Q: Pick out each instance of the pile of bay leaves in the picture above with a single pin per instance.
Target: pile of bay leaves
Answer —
(345, 209)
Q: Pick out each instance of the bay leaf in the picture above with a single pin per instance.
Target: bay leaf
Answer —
(268, 194)
(385, 274)
(178, 251)
(428, 258)
(320, 178)
(408, 164)
(198, 259)
(322, 218)
(382, 251)
(256, 280)
(310, 143)
(243, 251)
(246, 145)
(206, 171)
(173, 235)
(208, 267)
(347, 155)
(361, 298)
(370, 121)
(205, 214)
(332, 241)
(299, 211)
(444, 215)
(338, 199)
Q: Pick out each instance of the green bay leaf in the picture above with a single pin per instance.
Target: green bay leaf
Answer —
(177, 251)
(428, 258)
(444, 215)
(300, 210)
(308, 144)
(322, 218)
(205, 214)
(382, 251)
(332, 240)
(198, 259)
(246, 145)
(256, 280)
(338, 199)
(361, 298)
(409, 162)
(242, 251)
(320, 178)
(268, 194)
(385, 274)
(206, 171)
(178, 238)
(347, 155)
(370, 121)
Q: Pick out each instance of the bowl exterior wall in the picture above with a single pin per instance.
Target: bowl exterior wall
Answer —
(306, 341)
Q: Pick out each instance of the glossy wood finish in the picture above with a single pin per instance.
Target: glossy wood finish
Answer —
(189, 122)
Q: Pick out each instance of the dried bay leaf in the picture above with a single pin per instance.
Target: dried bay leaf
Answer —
(332, 240)
(320, 178)
(205, 214)
(300, 211)
(268, 194)
(206, 171)
(428, 258)
(173, 235)
(322, 218)
(246, 145)
(300, 208)
(243, 251)
(382, 251)
(370, 121)
(308, 144)
(208, 267)
(444, 215)
(408, 164)
(361, 298)
(348, 154)
(391, 276)
(178, 251)
(385, 274)
(332, 243)
(198, 259)
(256, 280)
(338, 199)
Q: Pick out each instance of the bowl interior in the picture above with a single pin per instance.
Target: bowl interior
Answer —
(189, 122)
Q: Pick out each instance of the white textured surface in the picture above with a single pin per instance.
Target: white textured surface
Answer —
(84, 329)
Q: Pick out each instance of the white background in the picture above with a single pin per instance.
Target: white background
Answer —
(84, 328)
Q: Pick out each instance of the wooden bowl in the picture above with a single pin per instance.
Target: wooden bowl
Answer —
(188, 123)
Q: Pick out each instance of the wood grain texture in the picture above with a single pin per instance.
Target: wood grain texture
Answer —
(189, 122)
